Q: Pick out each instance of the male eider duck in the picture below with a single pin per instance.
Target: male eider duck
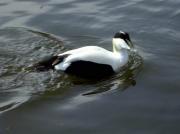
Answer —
(92, 61)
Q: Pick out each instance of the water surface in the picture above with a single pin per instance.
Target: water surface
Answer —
(50, 102)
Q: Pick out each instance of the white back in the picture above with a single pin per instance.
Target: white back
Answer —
(94, 54)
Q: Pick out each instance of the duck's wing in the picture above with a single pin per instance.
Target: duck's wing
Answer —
(96, 56)
(91, 54)
(84, 49)
(88, 62)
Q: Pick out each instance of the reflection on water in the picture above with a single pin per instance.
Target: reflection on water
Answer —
(24, 47)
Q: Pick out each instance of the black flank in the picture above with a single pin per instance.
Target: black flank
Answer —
(90, 70)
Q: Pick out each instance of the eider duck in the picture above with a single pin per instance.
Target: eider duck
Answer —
(92, 61)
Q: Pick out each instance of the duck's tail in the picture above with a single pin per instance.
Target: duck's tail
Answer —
(46, 64)
(49, 63)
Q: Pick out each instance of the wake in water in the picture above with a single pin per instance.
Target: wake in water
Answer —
(19, 82)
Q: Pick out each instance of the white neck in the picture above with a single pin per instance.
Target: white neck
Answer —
(122, 58)
(124, 55)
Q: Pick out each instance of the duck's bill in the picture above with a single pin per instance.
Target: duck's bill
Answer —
(130, 44)
(126, 46)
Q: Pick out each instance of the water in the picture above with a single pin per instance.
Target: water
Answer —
(142, 99)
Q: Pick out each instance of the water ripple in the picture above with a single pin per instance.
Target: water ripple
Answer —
(19, 82)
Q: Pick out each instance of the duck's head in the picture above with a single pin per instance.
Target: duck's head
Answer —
(121, 40)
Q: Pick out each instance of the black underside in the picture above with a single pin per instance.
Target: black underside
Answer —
(90, 70)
